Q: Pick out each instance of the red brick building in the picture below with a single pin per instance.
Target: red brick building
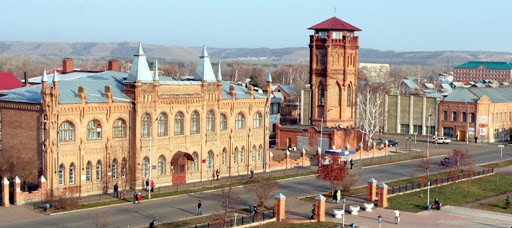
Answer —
(477, 71)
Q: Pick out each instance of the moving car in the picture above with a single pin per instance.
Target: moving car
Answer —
(442, 140)
(392, 143)
(448, 161)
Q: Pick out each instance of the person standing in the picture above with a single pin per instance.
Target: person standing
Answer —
(199, 208)
(152, 185)
(147, 184)
(139, 197)
(338, 196)
(252, 173)
(217, 172)
(116, 191)
(135, 197)
(351, 163)
(313, 211)
(152, 224)
(397, 216)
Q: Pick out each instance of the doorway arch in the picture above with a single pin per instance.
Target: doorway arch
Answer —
(179, 167)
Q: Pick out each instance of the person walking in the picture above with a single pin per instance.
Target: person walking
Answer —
(397, 216)
(116, 191)
(147, 184)
(152, 185)
(351, 163)
(139, 197)
(135, 197)
(217, 172)
(252, 173)
(338, 196)
(334, 196)
(313, 211)
(152, 224)
(199, 208)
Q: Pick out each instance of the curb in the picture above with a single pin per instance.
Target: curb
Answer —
(437, 156)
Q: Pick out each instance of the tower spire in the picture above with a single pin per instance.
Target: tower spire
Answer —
(219, 74)
(140, 69)
(44, 78)
(55, 77)
(204, 70)
(156, 70)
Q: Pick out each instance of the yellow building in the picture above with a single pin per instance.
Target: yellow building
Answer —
(86, 131)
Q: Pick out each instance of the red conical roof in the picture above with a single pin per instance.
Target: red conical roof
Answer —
(334, 23)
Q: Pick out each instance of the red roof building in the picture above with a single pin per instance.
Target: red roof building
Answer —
(8, 81)
(334, 23)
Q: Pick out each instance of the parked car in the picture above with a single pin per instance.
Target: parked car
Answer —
(392, 143)
(448, 161)
(442, 140)
(381, 142)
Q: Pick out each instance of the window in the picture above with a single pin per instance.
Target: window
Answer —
(417, 129)
(257, 120)
(242, 155)
(195, 163)
(464, 117)
(274, 108)
(61, 174)
(404, 128)
(66, 132)
(72, 173)
(224, 152)
(145, 167)
(240, 121)
(209, 160)
(210, 121)
(321, 94)
(322, 34)
(454, 116)
(145, 125)
(123, 168)
(94, 130)
(88, 172)
(119, 128)
(114, 169)
(98, 170)
(349, 95)
(448, 131)
(445, 116)
(253, 154)
(223, 122)
(260, 153)
(195, 123)
(472, 117)
(178, 123)
(235, 156)
(161, 165)
(162, 124)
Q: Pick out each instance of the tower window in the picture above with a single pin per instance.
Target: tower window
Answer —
(322, 34)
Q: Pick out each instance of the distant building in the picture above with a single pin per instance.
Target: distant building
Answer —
(378, 70)
(479, 70)
(289, 109)
(410, 115)
(9, 81)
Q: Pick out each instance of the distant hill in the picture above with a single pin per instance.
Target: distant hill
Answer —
(280, 55)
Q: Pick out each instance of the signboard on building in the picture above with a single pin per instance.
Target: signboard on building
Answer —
(273, 119)
(483, 131)
(471, 131)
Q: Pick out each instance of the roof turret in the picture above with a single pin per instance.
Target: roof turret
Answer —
(44, 78)
(204, 70)
(219, 74)
(269, 77)
(140, 69)
(156, 70)
(55, 77)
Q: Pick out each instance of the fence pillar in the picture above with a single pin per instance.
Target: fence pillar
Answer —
(303, 157)
(372, 190)
(287, 158)
(320, 208)
(383, 196)
(280, 207)
(5, 192)
(17, 190)
(43, 186)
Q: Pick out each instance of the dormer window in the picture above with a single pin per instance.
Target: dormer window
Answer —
(322, 34)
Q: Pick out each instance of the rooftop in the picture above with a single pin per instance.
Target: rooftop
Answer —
(486, 64)
(334, 23)
(8, 81)
(496, 95)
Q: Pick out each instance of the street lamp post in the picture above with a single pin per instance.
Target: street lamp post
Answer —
(322, 132)
(501, 152)
(379, 219)
(467, 122)
(428, 192)
(429, 128)
(344, 201)
(150, 157)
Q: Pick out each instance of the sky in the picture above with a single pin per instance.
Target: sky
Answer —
(398, 25)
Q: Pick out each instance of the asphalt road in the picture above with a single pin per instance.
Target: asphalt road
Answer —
(181, 207)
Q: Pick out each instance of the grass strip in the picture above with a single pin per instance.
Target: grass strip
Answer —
(495, 206)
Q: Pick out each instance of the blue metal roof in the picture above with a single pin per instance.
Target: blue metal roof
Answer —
(241, 92)
(289, 89)
(496, 95)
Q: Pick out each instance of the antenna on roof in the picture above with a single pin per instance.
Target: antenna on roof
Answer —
(334, 3)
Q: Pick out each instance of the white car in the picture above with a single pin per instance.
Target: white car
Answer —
(442, 140)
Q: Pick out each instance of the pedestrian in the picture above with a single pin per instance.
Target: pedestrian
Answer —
(139, 197)
(256, 209)
(351, 163)
(199, 208)
(476, 139)
(217, 172)
(152, 185)
(152, 224)
(338, 196)
(252, 173)
(147, 184)
(397, 216)
(135, 196)
(116, 191)
(334, 196)
(313, 211)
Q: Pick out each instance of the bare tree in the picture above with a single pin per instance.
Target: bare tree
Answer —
(425, 164)
(263, 188)
(350, 182)
(227, 198)
(370, 108)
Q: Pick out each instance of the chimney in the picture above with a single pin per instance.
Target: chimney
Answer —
(113, 65)
(26, 79)
(67, 65)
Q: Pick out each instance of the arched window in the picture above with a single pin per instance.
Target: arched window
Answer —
(178, 123)
(224, 152)
(114, 169)
(210, 121)
(61, 174)
(66, 132)
(240, 121)
(145, 167)
(321, 94)
(253, 153)
(349, 95)
(260, 153)
(257, 120)
(88, 172)
(195, 164)
(162, 124)
(209, 160)
(72, 173)
(242, 155)
(123, 168)
(235, 156)
(161, 165)
(119, 128)
(195, 123)
(223, 122)
(145, 125)
(94, 130)
(98, 170)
